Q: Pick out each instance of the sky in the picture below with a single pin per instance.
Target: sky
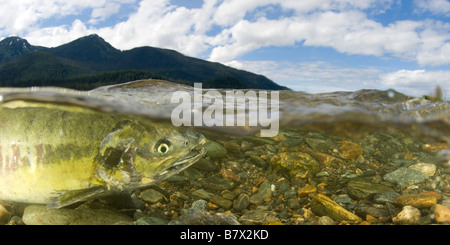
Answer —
(312, 46)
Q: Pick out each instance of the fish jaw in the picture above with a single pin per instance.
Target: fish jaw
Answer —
(180, 165)
(176, 167)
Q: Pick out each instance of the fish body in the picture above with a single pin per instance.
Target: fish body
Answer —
(62, 154)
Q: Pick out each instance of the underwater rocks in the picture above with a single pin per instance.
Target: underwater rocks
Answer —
(214, 149)
(242, 202)
(306, 190)
(408, 216)
(296, 178)
(258, 217)
(319, 145)
(204, 218)
(382, 198)
(350, 150)
(221, 202)
(5, 215)
(39, 215)
(216, 183)
(426, 168)
(405, 177)
(298, 164)
(264, 193)
(151, 221)
(151, 196)
(324, 206)
(441, 214)
(360, 188)
(416, 200)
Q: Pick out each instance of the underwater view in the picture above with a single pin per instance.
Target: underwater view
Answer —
(113, 155)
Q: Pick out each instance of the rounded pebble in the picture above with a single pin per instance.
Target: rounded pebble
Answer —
(426, 168)
(200, 205)
(441, 214)
(416, 200)
(242, 202)
(323, 220)
(151, 196)
(215, 183)
(258, 217)
(214, 149)
(350, 150)
(298, 164)
(405, 177)
(221, 202)
(360, 188)
(201, 193)
(408, 216)
(306, 190)
(5, 215)
(264, 193)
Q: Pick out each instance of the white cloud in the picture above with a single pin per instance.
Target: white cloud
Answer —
(55, 36)
(338, 5)
(417, 82)
(19, 16)
(101, 13)
(427, 42)
(158, 23)
(347, 32)
(22, 16)
(247, 36)
(435, 44)
(434, 6)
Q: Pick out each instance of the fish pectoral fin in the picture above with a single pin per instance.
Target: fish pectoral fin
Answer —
(65, 198)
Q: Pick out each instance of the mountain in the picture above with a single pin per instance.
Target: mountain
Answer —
(14, 47)
(90, 61)
(92, 51)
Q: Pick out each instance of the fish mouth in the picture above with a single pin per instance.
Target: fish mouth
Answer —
(181, 164)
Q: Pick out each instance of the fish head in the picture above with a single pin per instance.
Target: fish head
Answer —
(167, 151)
(138, 153)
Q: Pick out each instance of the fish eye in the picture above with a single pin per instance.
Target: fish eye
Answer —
(163, 147)
(186, 143)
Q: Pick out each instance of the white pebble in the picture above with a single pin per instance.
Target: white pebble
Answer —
(272, 187)
(426, 168)
(408, 216)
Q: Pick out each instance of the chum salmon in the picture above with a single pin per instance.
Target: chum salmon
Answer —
(59, 154)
